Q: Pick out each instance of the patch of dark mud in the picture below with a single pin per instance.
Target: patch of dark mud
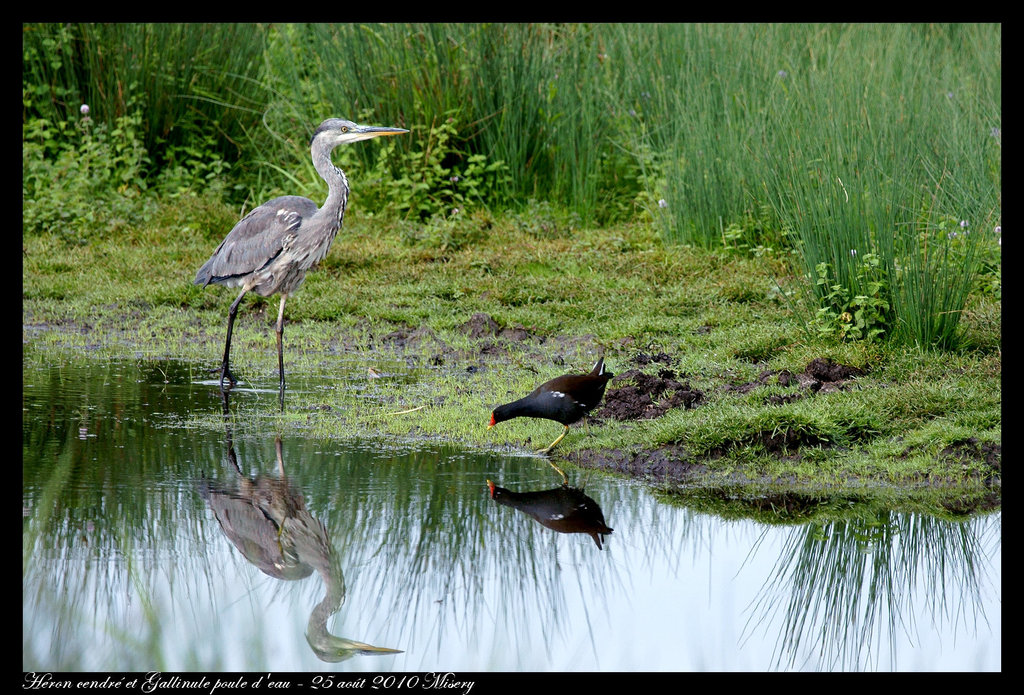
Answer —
(969, 504)
(495, 339)
(989, 455)
(411, 337)
(788, 504)
(644, 358)
(821, 375)
(971, 450)
(778, 442)
(422, 339)
(739, 493)
(983, 460)
(635, 395)
(481, 325)
(825, 370)
(668, 464)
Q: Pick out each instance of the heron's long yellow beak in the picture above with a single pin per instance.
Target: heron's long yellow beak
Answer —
(365, 132)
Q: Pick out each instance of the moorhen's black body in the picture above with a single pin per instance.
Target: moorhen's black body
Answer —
(564, 509)
(565, 399)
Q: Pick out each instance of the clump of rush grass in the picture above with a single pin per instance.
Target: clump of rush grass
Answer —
(867, 141)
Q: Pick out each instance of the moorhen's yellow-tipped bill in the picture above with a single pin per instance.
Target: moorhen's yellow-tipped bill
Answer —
(565, 399)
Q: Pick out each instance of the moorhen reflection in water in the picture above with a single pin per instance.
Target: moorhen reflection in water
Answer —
(266, 519)
(564, 509)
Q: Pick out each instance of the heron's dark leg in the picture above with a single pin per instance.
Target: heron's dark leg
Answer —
(280, 346)
(225, 372)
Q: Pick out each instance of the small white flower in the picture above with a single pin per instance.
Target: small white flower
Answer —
(662, 203)
(84, 109)
(963, 224)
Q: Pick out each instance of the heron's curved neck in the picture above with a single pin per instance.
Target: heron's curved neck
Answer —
(337, 183)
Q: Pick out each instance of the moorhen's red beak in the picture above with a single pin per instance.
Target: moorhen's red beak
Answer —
(490, 486)
(492, 423)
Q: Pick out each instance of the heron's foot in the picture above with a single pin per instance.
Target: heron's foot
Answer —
(226, 377)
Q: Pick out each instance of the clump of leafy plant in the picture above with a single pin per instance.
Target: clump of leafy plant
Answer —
(82, 176)
(195, 166)
(848, 314)
(758, 234)
(449, 232)
(435, 178)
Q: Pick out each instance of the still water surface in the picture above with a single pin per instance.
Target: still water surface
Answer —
(154, 542)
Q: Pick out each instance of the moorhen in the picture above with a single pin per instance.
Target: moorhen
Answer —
(565, 399)
(563, 509)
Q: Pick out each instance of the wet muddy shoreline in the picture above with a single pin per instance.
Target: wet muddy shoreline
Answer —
(649, 384)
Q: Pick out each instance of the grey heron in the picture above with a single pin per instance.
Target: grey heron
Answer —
(270, 250)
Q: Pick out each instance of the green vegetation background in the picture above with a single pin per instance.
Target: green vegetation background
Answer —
(744, 197)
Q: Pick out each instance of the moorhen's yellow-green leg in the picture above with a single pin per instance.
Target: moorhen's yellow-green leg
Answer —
(551, 446)
(565, 478)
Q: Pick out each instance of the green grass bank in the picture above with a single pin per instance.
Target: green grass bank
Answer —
(393, 320)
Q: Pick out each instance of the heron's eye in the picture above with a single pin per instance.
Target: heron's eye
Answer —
(344, 128)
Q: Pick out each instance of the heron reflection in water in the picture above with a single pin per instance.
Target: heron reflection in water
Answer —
(564, 509)
(266, 519)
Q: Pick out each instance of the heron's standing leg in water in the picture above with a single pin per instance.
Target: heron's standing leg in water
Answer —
(270, 250)
(280, 346)
(225, 370)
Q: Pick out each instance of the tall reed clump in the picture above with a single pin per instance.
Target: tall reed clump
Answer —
(194, 90)
(884, 165)
(693, 103)
(518, 106)
(875, 147)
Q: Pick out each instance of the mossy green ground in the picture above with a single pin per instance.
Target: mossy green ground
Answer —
(384, 324)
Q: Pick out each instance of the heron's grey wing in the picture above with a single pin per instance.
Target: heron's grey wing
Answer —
(256, 239)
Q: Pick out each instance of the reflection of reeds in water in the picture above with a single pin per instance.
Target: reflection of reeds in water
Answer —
(842, 589)
(419, 527)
